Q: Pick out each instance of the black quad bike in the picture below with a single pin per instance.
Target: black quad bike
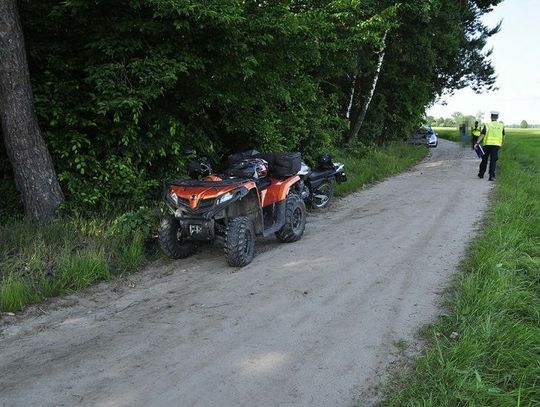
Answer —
(251, 198)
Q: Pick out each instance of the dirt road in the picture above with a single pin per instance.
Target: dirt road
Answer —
(312, 323)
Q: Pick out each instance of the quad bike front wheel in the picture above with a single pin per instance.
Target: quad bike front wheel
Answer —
(240, 242)
(322, 195)
(170, 239)
(295, 220)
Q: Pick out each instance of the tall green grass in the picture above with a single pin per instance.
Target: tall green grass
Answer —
(495, 307)
(38, 262)
(369, 164)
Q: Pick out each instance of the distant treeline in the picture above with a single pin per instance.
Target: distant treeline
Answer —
(459, 118)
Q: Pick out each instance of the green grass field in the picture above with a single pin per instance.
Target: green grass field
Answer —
(452, 134)
(493, 359)
(447, 133)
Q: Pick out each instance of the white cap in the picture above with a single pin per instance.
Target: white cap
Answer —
(494, 113)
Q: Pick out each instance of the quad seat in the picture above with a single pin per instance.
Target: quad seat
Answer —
(318, 174)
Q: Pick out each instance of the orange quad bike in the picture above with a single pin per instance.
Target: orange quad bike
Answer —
(258, 195)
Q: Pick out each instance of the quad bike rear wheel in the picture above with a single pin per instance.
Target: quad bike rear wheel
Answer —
(322, 195)
(240, 242)
(295, 220)
(170, 239)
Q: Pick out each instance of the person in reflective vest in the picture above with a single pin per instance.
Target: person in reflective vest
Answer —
(475, 133)
(492, 137)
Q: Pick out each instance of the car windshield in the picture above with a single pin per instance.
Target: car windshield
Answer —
(425, 130)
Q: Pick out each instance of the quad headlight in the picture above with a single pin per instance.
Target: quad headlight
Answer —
(174, 197)
(224, 198)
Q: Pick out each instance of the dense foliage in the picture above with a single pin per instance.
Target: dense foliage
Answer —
(436, 48)
(121, 87)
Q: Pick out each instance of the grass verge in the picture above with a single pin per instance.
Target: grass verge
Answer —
(71, 253)
(487, 351)
(38, 262)
(370, 164)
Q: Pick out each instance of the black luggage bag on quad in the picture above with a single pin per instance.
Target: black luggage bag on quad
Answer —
(280, 164)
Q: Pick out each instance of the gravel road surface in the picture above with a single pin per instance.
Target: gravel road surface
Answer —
(312, 323)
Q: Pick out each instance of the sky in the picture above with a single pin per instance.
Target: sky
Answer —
(516, 58)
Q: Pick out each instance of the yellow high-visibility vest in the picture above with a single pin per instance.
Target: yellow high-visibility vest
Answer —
(475, 131)
(494, 134)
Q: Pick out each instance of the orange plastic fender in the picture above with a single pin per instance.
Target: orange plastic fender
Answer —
(194, 194)
(278, 190)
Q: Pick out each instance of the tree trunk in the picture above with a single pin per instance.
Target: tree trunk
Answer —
(352, 95)
(355, 101)
(33, 168)
(358, 120)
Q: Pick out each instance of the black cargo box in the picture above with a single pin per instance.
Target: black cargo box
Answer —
(285, 164)
(280, 164)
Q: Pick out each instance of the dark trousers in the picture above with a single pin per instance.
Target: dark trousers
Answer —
(474, 140)
(491, 153)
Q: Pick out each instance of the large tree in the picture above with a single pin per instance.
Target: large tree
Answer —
(438, 47)
(33, 168)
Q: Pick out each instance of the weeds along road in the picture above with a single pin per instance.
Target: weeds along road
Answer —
(313, 323)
